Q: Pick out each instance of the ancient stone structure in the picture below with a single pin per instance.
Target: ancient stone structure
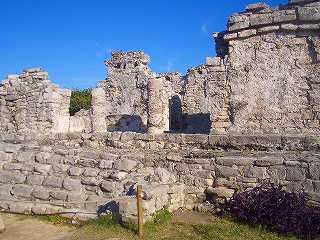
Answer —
(158, 106)
(248, 115)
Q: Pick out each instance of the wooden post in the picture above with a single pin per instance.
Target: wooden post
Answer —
(140, 212)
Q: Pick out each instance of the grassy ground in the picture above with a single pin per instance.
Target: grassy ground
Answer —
(165, 227)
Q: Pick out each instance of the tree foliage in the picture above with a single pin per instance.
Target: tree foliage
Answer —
(80, 99)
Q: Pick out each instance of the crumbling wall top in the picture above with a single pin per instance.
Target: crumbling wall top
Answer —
(125, 60)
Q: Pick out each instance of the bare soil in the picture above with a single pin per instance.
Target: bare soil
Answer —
(27, 228)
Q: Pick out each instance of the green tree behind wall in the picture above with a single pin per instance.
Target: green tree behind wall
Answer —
(80, 99)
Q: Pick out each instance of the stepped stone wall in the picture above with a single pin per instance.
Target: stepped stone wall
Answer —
(83, 174)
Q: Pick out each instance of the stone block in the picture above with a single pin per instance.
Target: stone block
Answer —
(295, 174)
(182, 168)
(125, 165)
(6, 157)
(21, 190)
(253, 7)
(42, 157)
(255, 172)
(316, 185)
(75, 171)
(54, 181)
(60, 168)
(309, 13)
(10, 148)
(235, 161)
(41, 193)
(90, 154)
(164, 176)
(269, 161)
(13, 166)
(268, 29)
(59, 195)
(76, 197)
(213, 61)
(17, 207)
(187, 180)
(91, 181)
(221, 192)
(106, 164)
(315, 171)
(42, 168)
(260, 19)
(284, 16)
(5, 191)
(26, 157)
(277, 173)
(72, 184)
(35, 179)
(247, 33)
(226, 172)
(109, 156)
(91, 172)
(12, 177)
(289, 27)
(111, 187)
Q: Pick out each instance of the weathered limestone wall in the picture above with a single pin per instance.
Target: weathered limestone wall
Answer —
(158, 106)
(273, 68)
(204, 98)
(126, 88)
(31, 104)
(84, 173)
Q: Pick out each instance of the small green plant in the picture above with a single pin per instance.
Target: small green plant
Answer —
(55, 219)
(80, 99)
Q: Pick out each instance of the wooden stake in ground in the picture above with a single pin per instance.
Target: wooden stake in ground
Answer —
(140, 212)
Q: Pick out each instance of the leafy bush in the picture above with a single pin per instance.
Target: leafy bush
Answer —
(280, 210)
(80, 99)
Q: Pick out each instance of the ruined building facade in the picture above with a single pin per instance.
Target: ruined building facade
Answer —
(247, 115)
(264, 80)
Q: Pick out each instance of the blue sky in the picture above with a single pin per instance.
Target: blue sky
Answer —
(72, 38)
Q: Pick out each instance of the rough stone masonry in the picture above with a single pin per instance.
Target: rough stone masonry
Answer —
(248, 115)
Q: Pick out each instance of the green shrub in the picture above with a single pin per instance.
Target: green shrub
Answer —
(80, 99)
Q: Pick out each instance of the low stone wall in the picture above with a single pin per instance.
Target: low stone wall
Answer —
(83, 173)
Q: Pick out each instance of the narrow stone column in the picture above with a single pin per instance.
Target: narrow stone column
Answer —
(98, 110)
(158, 106)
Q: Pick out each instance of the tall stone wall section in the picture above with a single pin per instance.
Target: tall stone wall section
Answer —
(126, 91)
(31, 104)
(273, 68)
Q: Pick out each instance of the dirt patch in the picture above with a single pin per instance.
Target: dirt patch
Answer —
(191, 217)
(27, 228)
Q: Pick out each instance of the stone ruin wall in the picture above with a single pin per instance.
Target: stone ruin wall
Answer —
(31, 104)
(265, 79)
(273, 68)
(88, 175)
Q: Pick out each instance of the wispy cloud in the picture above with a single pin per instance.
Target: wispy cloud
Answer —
(204, 28)
(102, 52)
(169, 65)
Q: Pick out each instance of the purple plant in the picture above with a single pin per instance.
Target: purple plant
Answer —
(280, 210)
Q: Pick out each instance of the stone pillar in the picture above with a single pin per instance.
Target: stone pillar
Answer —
(98, 110)
(158, 106)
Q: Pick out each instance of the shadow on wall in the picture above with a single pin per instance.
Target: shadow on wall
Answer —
(126, 123)
(187, 123)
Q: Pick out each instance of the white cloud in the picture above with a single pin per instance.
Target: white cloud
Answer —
(204, 28)
(169, 65)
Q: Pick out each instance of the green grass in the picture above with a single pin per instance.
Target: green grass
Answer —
(162, 227)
